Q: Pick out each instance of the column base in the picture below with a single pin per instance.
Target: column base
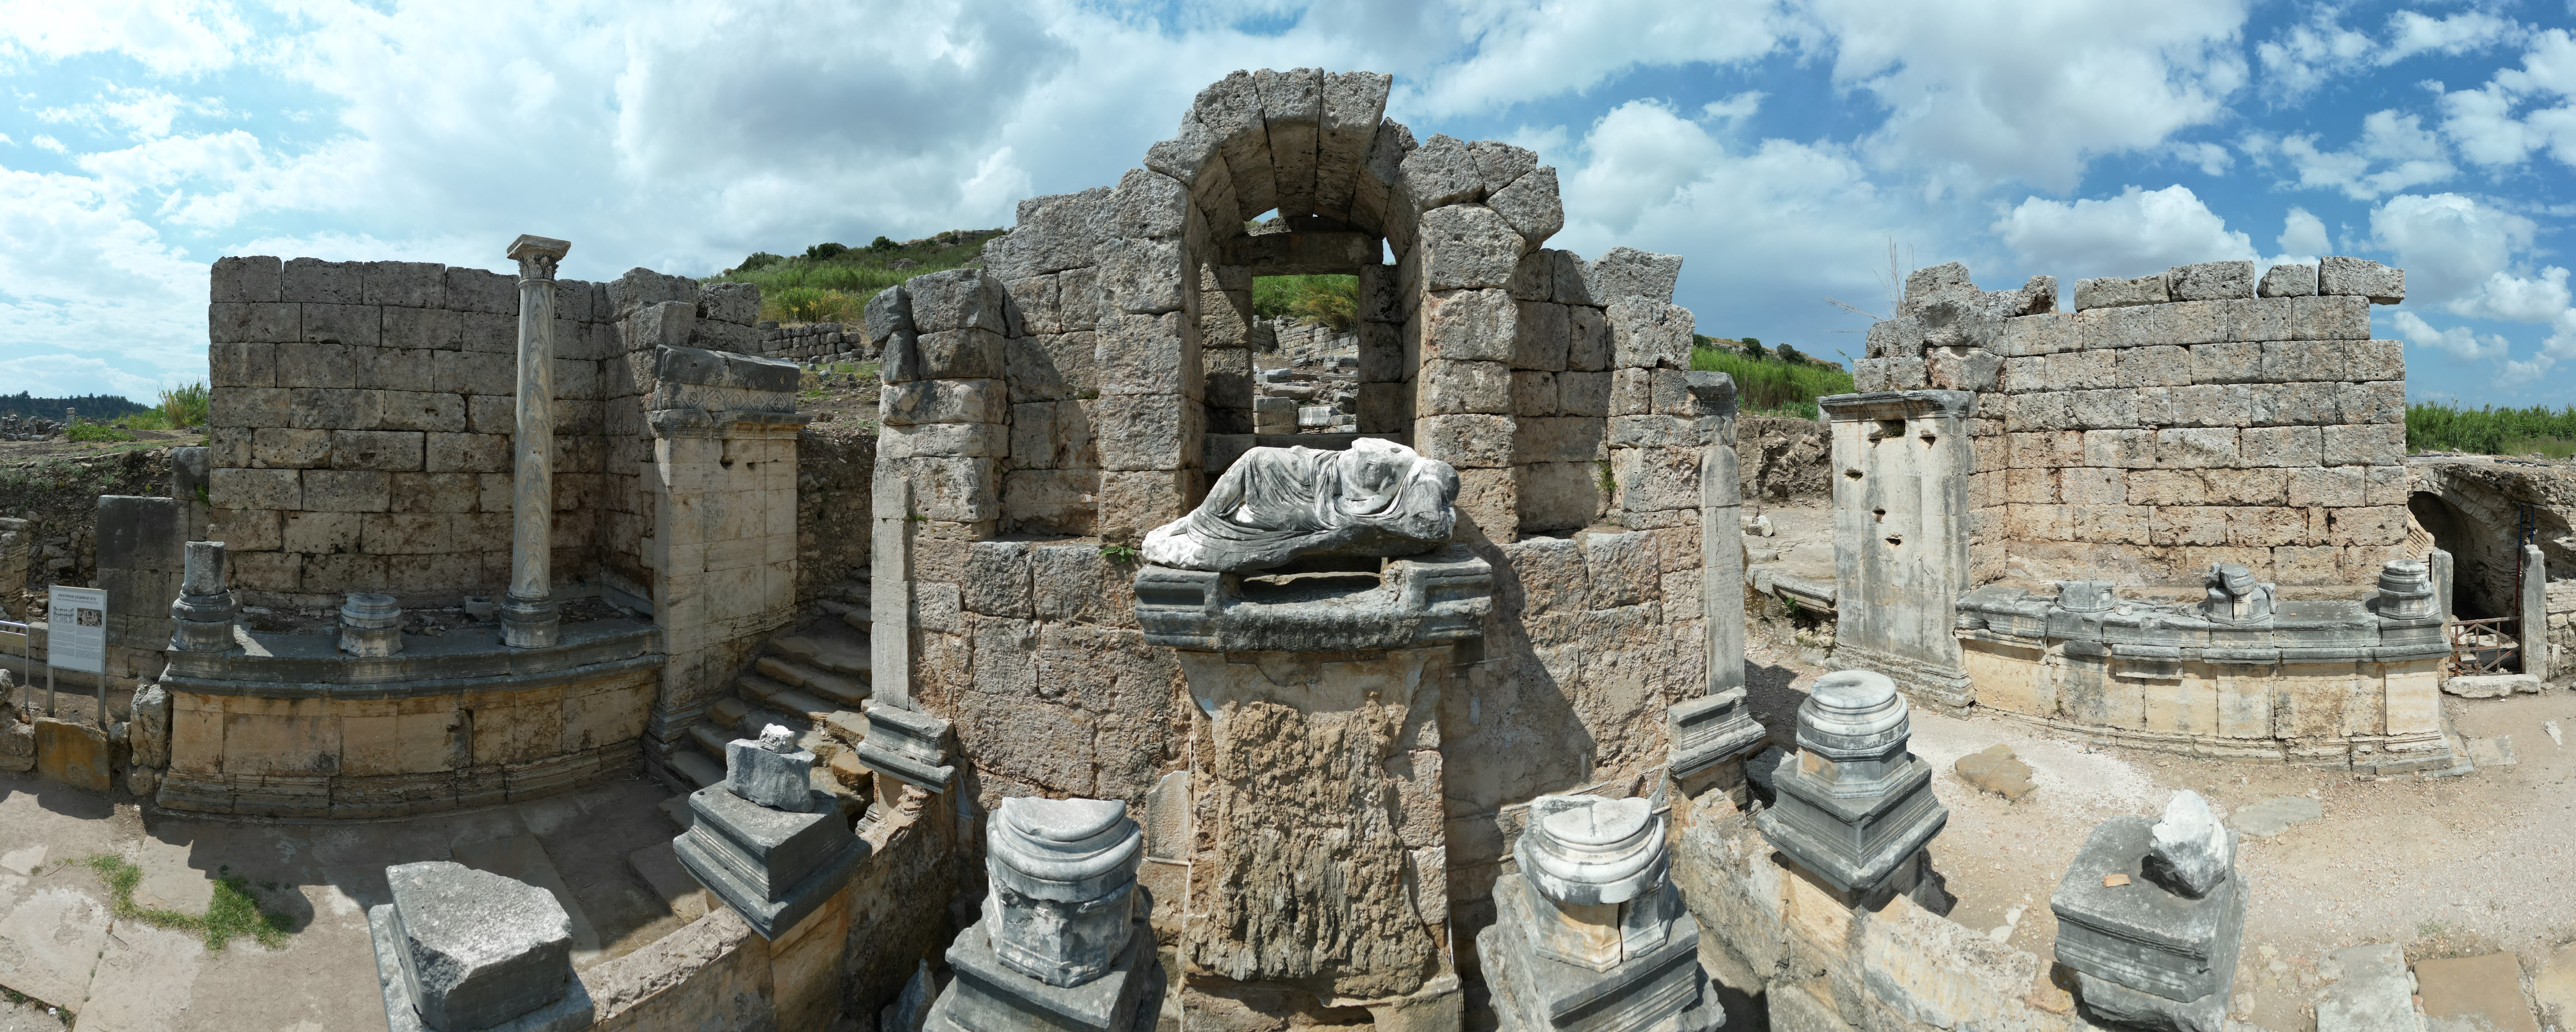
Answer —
(530, 623)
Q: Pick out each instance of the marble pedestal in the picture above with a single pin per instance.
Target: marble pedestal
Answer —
(2146, 956)
(990, 996)
(573, 1011)
(1853, 806)
(1658, 989)
(1710, 730)
(907, 745)
(462, 950)
(771, 866)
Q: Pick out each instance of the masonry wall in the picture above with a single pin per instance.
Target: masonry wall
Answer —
(363, 415)
(2172, 421)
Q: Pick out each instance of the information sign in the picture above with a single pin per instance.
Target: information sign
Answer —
(76, 634)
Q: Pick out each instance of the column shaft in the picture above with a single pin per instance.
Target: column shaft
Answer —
(529, 616)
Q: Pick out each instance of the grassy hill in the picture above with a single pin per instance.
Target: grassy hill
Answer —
(2440, 426)
(832, 283)
(91, 406)
(1772, 381)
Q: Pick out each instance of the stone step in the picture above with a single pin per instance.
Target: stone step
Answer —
(848, 692)
(695, 766)
(758, 689)
(728, 711)
(797, 703)
(840, 655)
(858, 619)
(711, 742)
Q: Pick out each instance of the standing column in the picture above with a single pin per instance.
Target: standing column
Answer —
(529, 614)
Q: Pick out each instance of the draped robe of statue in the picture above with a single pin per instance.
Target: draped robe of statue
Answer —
(1276, 504)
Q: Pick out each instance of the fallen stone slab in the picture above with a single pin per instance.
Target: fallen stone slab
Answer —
(2491, 686)
(2487, 988)
(2555, 985)
(49, 946)
(2276, 815)
(2492, 752)
(1996, 770)
(2369, 992)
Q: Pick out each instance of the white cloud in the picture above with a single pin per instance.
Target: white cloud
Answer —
(1768, 229)
(1527, 51)
(2007, 90)
(2448, 244)
(2213, 159)
(2526, 299)
(2303, 233)
(2307, 56)
(2481, 121)
(2411, 33)
(177, 37)
(2133, 234)
(2395, 152)
(2456, 342)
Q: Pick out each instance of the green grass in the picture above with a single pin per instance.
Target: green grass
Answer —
(88, 431)
(1770, 386)
(832, 283)
(232, 914)
(2440, 426)
(1331, 300)
(186, 406)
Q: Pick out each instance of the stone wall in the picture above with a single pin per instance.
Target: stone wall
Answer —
(2172, 421)
(834, 473)
(363, 412)
(812, 342)
(58, 499)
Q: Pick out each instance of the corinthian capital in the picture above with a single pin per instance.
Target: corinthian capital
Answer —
(538, 255)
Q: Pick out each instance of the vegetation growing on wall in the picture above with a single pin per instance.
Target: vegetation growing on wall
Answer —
(1774, 382)
(832, 282)
(2441, 426)
(1331, 300)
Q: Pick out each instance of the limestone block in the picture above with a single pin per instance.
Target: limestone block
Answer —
(961, 440)
(1870, 374)
(1442, 172)
(1054, 233)
(968, 354)
(1145, 354)
(2244, 486)
(1531, 206)
(255, 488)
(771, 771)
(2082, 484)
(2034, 335)
(410, 284)
(2154, 366)
(2119, 449)
(2342, 276)
(1656, 479)
(1147, 204)
(2383, 401)
(476, 949)
(1583, 394)
(2286, 446)
(1628, 272)
(1647, 334)
(2287, 280)
(2023, 486)
(1459, 388)
(318, 281)
(1470, 325)
(2116, 292)
(1962, 369)
(2196, 448)
(2296, 404)
(1147, 431)
(1140, 275)
(958, 299)
(244, 279)
(376, 449)
(2371, 361)
(1468, 247)
(2107, 409)
(1533, 393)
(2188, 525)
(465, 453)
(1052, 367)
(960, 490)
(2364, 445)
(1905, 374)
(2210, 281)
(944, 401)
(1466, 441)
(1558, 495)
(1901, 337)
(1542, 333)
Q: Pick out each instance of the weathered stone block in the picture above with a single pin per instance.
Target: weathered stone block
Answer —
(2288, 281)
(2382, 444)
(255, 488)
(2196, 448)
(1648, 334)
(1628, 272)
(2338, 275)
(1466, 441)
(1146, 354)
(331, 490)
(2210, 281)
(1470, 325)
(1531, 206)
(959, 299)
(2382, 401)
(1468, 247)
(2288, 446)
(1558, 495)
(2116, 292)
(475, 949)
(944, 401)
(1458, 388)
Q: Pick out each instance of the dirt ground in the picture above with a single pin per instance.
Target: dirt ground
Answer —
(14, 452)
(60, 946)
(2454, 866)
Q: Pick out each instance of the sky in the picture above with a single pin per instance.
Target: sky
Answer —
(1784, 148)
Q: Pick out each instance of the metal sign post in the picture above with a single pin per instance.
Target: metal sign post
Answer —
(76, 639)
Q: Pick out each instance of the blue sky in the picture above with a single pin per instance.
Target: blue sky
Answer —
(1781, 147)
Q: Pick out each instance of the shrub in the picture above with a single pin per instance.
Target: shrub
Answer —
(1771, 385)
(1789, 354)
(185, 406)
(808, 304)
(1752, 346)
(1331, 300)
(820, 252)
(88, 431)
(2440, 426)
(755, 262)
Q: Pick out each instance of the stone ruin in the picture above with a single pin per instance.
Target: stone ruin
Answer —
(1139, 710)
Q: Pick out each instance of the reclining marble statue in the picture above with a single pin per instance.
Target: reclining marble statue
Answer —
(1278, 504)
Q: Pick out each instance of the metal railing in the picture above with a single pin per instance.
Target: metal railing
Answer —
(2481, 646)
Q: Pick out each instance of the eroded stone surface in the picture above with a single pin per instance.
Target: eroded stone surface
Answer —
(477, 949)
